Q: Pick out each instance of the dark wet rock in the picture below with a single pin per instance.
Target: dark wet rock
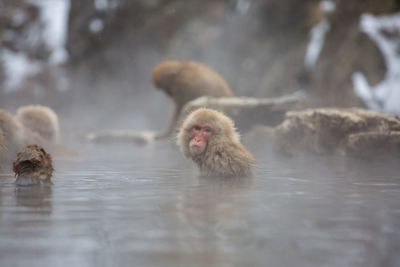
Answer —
(248, 111)
(352, 131)
(373, 143)
(245, 111)
(33, 165)
(259, 134)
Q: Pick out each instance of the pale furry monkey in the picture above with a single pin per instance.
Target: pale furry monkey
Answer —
(12, 134)
(40, 124)
(208, 137)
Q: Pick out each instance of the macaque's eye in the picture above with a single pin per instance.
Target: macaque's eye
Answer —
(197, 128)
(207, 130)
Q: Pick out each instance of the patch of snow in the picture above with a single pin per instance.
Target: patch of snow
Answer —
(96, 25)
(18, 18)
(17, 66)
(101, 5)
(328, 6)
(385, 95)
(316, 43)
(317, 36)
(54, 14)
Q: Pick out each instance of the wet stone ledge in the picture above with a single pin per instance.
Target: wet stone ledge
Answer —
(343, 131)
(248, 112)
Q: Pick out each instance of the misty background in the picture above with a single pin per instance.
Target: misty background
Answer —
(91, 60)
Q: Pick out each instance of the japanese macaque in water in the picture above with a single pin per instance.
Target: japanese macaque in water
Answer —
(40, 124)
(11, 130)
(33, 165)
(184, 81)
(208, 137)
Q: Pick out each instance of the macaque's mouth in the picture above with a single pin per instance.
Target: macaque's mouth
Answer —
(196, 149)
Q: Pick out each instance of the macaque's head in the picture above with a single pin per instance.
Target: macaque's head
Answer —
(203, 128)
(33, 159)
(41, 120)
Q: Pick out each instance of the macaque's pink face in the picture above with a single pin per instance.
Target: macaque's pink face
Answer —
(199, 135)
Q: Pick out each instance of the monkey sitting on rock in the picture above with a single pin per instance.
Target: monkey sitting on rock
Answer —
(184, 81)
(208, 137)
(181, 81)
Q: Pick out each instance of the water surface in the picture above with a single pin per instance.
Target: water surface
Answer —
(146, 206)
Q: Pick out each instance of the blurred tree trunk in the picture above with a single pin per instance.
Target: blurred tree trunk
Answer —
(346, 51)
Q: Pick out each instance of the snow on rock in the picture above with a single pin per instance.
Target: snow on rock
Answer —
(385, 95)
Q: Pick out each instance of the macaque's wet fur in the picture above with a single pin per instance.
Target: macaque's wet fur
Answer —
(223, 154)
(40, 124)
(33, 165)
(184, 81)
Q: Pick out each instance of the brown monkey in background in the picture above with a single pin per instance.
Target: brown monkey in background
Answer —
(209, 138)
(33, 165)
(184, 81)
(40, 124)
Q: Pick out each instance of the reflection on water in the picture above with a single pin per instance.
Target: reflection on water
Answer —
(145, 206)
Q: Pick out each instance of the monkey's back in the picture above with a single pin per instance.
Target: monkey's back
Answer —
(40, 119)
(232, 160)
(187, 80)
(11, 133)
